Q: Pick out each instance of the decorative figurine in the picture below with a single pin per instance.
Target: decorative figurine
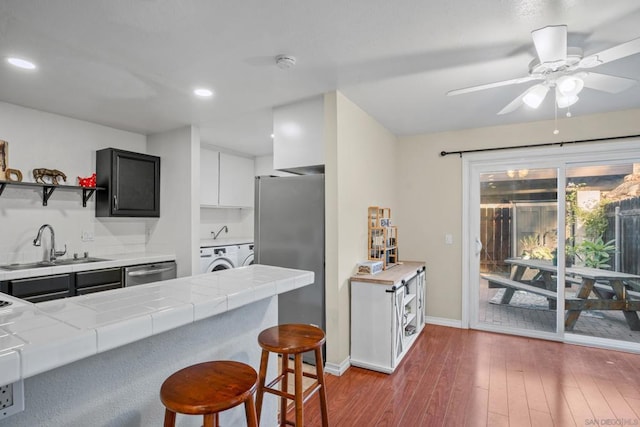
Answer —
(89, 181)
(54, 174)
(13, 175)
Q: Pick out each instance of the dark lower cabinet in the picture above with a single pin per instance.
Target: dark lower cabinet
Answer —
(132, 182)
(88, 282)
(46, 288)
(40, 289)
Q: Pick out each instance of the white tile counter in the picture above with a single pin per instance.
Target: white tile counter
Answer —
(50, 334)
(112, 260)
(124, 342)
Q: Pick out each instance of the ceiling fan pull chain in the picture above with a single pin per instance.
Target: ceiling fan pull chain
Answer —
(555, 120)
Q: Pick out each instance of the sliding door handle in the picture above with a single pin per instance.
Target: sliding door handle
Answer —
(478, 246)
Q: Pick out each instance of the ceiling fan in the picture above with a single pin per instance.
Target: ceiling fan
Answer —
(559, 67)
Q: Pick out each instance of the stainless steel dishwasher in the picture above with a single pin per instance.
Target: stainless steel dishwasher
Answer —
(147, 273)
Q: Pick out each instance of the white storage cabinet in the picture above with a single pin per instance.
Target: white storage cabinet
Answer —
(226, 180)
(387, 314)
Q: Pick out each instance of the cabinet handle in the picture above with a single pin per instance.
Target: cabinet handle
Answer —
(115, 201)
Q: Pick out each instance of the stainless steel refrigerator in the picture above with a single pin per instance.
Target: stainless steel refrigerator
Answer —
(289, 232)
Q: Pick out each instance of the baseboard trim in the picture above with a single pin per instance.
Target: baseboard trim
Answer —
(443, 321)
(337, 369)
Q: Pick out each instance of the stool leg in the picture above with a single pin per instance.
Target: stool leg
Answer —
(210, 420)
(284, 387)
(250, 411)
(298, 387)
(169, 418)
(323, 394)
(262, 376)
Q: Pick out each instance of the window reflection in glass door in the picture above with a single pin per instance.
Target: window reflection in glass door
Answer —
(603, 250)
(518, 231)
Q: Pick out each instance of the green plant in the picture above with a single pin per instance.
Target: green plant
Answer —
(596, 253)
(532, 249)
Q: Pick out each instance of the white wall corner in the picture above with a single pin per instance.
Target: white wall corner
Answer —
(443, 321)
(337, 369)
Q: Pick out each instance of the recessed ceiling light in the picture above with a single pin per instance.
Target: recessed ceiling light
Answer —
(21, 63)
(205, 93)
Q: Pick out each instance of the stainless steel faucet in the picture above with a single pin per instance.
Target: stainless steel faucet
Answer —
(52, 252)
(215, 235)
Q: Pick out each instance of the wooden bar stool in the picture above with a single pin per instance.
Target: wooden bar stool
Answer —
(292, 339)
(209, 388)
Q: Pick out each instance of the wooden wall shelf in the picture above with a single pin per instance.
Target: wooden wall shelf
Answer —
(48, 189)
(382, 237)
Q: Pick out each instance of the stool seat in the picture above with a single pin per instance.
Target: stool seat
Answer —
(208, 388)
(291, 338)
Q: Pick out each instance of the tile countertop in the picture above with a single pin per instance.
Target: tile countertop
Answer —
(207, 243)
(113, 260)
(35, 338)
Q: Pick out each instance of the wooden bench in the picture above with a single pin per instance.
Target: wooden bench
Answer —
(511, 286)
(603, 287)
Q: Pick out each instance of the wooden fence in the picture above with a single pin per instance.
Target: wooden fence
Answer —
(629, 233)
(495, 234)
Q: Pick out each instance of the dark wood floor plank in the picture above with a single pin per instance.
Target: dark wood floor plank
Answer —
(457, 377)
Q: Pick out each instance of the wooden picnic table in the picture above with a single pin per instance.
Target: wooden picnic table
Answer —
(610, 288)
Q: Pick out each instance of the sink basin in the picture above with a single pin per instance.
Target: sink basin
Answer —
(41, 264)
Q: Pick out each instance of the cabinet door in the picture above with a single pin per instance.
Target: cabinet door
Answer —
(39, 289)
(236, 181)
(209, 177)
(98, 280)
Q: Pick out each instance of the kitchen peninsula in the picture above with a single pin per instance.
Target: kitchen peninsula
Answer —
(100, 359)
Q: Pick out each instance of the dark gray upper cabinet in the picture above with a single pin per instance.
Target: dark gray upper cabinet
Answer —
(132, 182)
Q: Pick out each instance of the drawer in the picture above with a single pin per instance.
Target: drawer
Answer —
(110, 276)
(98, 288)
(59, 284)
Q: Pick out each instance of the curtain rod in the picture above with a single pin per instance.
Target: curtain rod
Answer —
(545, 144)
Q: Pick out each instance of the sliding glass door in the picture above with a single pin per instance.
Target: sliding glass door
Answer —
(518, 217)
(552, 244)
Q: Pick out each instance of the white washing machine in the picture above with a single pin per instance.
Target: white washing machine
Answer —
(217, 258)
(245, 254)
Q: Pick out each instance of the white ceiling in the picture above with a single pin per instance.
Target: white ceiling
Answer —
(132, 64)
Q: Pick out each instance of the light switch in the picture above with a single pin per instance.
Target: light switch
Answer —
(448, 239)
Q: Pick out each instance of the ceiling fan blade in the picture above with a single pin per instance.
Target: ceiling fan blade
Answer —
(607, 83)
(551, 43)
(492, 85)
(613, 53)
(513, 105)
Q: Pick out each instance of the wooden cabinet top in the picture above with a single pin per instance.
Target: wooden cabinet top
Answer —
(393, 275)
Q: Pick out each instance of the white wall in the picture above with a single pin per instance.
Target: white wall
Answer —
(238, 221)
(38, 139)
(430, 192)
(360, 171)
(176, 231)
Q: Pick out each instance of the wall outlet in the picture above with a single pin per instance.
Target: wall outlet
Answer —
(448, 239)
(87, 236)
(11, 399)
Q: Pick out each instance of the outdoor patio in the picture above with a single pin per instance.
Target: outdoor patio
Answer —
(530, 311)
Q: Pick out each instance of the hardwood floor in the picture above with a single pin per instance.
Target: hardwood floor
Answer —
(457, 377)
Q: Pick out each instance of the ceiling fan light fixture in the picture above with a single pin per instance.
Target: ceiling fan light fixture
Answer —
(569, 85)
(566, 101)
(535, 95)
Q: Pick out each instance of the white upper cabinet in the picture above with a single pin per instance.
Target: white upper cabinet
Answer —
(298, 130)
(226, 180)
(236, 181)
(209, 177)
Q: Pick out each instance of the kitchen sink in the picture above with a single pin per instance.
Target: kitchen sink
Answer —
(41, 264)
